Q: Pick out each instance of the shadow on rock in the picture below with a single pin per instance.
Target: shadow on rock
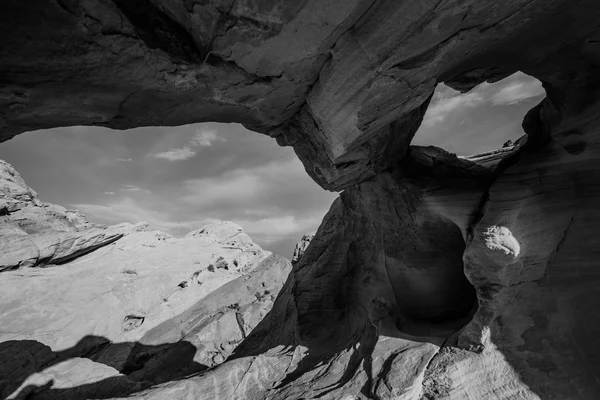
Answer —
(94, 368)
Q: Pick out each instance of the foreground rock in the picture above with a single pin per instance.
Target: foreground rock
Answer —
(121, 308)
(147, 309)
(33, 233)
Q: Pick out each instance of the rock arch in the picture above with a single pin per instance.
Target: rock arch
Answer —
(346, 83)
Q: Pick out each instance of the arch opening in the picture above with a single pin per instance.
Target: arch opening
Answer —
(175, 178)
(479, 122)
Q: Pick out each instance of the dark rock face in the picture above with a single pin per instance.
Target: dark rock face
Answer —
(430, 277)
(345, 82)
(379, 306)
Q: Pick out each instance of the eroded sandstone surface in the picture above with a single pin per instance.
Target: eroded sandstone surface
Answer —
(33, 233)
(147, 309)
(103, 311)
(344, 82)
(431, 277)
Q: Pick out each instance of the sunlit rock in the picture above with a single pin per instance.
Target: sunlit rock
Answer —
(301, 247)
(431, 276)
(33, 233)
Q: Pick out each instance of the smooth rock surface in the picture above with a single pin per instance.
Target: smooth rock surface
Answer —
(147, 309)
(121, 308)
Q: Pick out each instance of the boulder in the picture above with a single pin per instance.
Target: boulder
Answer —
(301, 247)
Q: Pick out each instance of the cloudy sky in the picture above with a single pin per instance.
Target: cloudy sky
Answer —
(181, 178)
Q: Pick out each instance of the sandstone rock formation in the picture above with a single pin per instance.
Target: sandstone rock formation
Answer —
(345, 82)
(431, 277)
(33, 233)
(147, 347)
(147, 309)
(301, 247)
(380, 305)
(108, 320)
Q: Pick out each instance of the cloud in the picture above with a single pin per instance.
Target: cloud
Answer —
(276, 187)
(269, 230)
(510, 91)
(132, 188)
(124, 159)
(266, 230)
(202, 138)
(442, 106)
(261, 199)
(273, 202)
(130, 210)
(180, 154)
(517, 92)
(251, 180)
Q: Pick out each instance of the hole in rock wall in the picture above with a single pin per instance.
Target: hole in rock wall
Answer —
(481, 120)
(175, 178)
(432, 290)
(438, 299)
(431, 297)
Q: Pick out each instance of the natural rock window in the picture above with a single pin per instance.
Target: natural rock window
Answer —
(371, 309)
(177, 179)
(481, 120)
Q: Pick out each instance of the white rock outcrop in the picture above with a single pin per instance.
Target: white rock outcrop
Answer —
(122, 307)
(33, 233)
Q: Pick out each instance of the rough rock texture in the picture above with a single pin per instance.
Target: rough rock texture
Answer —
(345, 82)
(431, 277)
(392, 293)
(376, 305)
(301, 247)
(149, 308)
(33, 233)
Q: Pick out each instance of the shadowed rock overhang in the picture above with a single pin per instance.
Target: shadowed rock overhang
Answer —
(346, 83)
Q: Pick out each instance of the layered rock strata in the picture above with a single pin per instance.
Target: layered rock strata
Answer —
(442, 279)
(431, 277)
(117, 309)
(147, 309)
(33, 233)
(377, 292)
(344, 82)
